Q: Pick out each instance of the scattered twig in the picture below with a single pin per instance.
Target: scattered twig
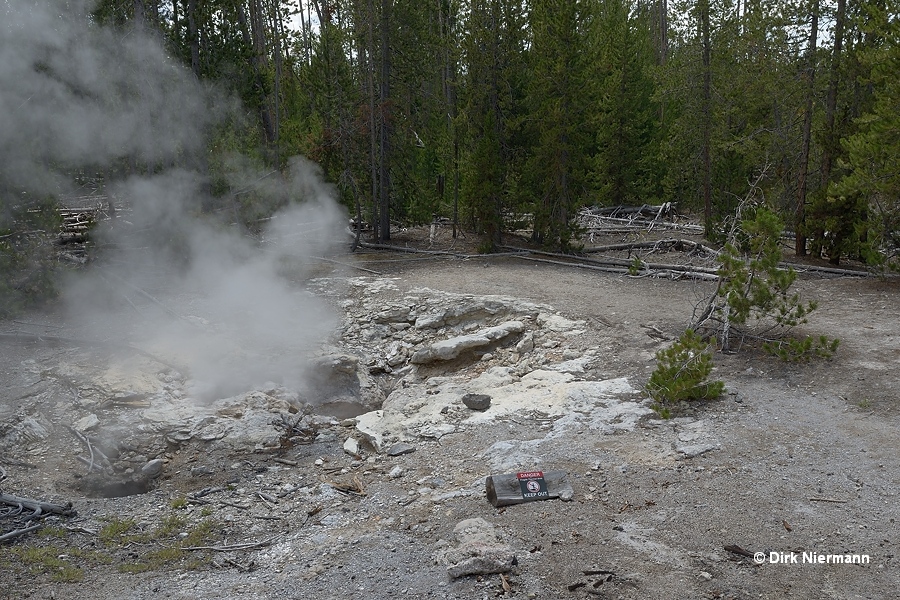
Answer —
(87, 442)
(239, 566)
(655, 332)
(207, 492)
(735, 549)
(836, 500)
(285, 461)
(268, 500)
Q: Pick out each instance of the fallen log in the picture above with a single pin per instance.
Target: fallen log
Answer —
(670, 243)
(671, 271)
(38, 507)
(645, 209)
(515, 488)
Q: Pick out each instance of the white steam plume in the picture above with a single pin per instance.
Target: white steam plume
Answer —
(74, 95)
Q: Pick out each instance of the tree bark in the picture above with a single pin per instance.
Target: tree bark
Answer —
(800, 212)
(373, 128)
(253, 37)
(384, 225)
(193, 36)
(831, 141)
(706, 117)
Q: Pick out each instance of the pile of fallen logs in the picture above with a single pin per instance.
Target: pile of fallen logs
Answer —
(78, 221)
(628, 219)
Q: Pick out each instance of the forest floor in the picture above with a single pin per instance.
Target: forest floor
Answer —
(796, 461)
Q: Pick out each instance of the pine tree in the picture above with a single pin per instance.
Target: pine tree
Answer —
(872, 181)
(492, 101)
(626, 164)
(562, 99)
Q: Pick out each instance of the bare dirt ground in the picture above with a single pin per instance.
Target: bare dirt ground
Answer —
(793, 459)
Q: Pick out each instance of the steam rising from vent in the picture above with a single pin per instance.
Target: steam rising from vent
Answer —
(181, 285)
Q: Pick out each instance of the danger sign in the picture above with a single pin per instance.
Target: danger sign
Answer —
(533, 485)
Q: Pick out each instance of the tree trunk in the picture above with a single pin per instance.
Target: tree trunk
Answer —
(706, 117)
(373, 133)
(253, 37)
(384, 229)
(193, 36)
(832, 140)
(800, 213)
(140, 13)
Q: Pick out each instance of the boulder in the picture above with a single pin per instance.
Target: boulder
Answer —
(479, 550)
(452, 348)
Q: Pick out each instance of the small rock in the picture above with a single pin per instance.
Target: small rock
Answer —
(400, 448)
(153, 468)
(86, 423)
(349, 423)
(200, 471)
(705, 576)
(396, 472)
(526, 344)
(477, 401)
(351, 447)
(692, 451)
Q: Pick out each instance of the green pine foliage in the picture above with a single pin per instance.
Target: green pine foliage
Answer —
(28, 262)
(754, 299)
(871, 181)
(682, 374)
(754, 286)
(508, 115)
(561, 102)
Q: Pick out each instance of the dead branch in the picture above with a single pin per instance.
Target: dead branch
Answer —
(343, 264)
(575, 264)
(91, 449)
(825, 270)
(38, 507)
(11, 535)
(655, 333)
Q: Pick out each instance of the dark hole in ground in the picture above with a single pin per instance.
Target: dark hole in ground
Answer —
(108, 487)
